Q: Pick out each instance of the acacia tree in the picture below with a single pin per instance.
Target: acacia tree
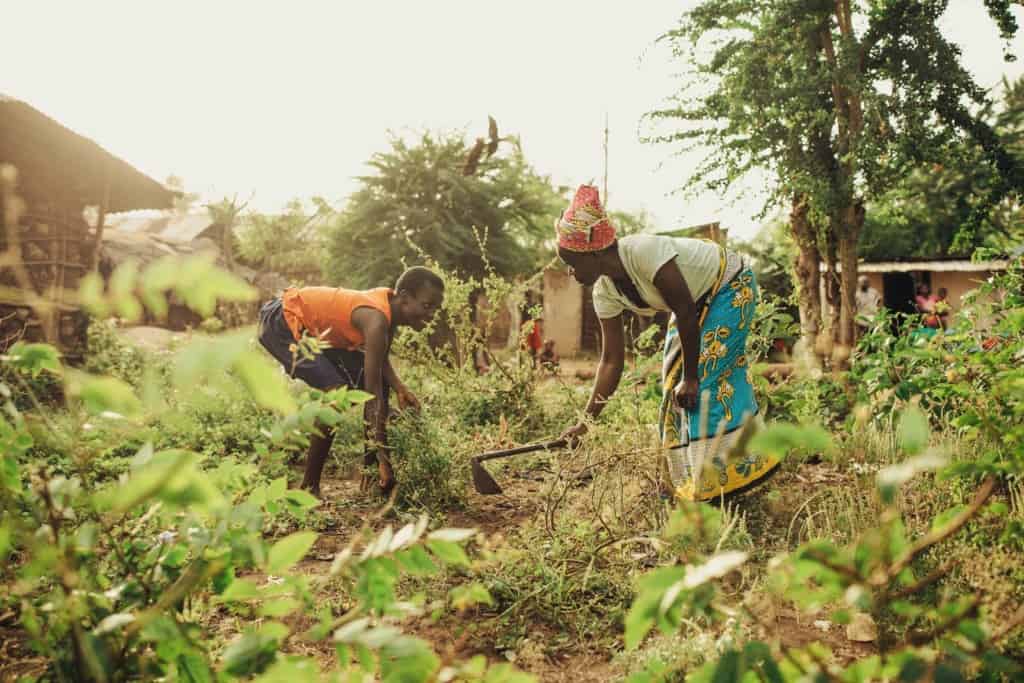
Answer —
(837, 100)
(954, 208)
(438, 197)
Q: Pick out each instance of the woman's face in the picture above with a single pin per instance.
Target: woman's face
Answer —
(583, 267)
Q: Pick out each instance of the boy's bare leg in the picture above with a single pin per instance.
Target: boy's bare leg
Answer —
(319, 449)
(385, 473)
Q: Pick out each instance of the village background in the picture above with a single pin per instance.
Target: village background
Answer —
(164, 170)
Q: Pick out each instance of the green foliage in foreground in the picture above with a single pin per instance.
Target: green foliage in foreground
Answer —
(112, 578)
(876, 575)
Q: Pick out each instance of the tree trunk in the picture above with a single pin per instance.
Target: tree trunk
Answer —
(851, 220)
(807, 265)
(830, 284)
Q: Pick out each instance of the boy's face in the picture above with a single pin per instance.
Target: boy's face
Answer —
(420, 307)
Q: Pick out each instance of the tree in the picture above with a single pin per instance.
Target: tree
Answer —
(437, 197)
(838, 101)
(290, 243)
(931, 213)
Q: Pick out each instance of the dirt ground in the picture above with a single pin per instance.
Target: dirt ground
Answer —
(773, 519)
(770, 520)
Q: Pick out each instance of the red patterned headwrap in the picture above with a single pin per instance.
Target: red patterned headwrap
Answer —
(584, 226)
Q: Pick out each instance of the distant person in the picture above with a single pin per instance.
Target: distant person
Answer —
(549, 357)
(534, 341)
(712, 294)
(869, 301)
(924, 302)
(358, 326)
(942, 307)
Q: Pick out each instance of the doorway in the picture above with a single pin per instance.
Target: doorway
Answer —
(899, 290)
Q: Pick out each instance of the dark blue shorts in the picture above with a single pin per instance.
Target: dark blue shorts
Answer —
(329, 369)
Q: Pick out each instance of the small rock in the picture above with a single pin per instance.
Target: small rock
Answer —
(862, 629)
(822, 625)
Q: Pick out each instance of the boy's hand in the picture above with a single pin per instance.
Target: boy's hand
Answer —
(387, 474)
(406, 400)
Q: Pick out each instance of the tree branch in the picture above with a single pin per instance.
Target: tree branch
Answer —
(926, 581)
(939, 535)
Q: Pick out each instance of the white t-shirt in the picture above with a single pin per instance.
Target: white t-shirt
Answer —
(643, 256)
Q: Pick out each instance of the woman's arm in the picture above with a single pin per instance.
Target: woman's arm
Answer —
(609, 372)
(676, 293)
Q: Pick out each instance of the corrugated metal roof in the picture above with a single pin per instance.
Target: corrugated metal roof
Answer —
(953, 265)
(180, 228)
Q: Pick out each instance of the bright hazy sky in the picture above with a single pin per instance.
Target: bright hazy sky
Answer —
(289, 99)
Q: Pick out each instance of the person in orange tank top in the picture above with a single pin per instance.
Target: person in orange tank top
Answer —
(357, 326)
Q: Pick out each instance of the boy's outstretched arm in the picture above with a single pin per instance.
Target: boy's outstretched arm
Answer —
(374, 326)
(406, 399)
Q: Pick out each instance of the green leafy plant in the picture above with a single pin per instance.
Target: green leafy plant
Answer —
(876, 582)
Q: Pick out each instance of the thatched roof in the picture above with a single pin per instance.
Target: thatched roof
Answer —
(56, 164)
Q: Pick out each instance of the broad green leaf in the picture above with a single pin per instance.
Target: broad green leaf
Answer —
(416, 561)
(103, 395)
(947, 516)
(291, 669)
(264, 381)
(408, 660)
(249, 654)
(651, 589)
(303, 500)
(240, 589)
(779, 439)
(144, 483)
(279, 608)
(192, 668)
(91, 296)
(290, 550)
(34, 358)
(5, 541)
(470, 595)
(276, 488)
(449, 553)
(506, 673)
(913, 431)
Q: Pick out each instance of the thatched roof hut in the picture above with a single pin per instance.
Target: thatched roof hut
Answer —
(59, 173)
(57, 165)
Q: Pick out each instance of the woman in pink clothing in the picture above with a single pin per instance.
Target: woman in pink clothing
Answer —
(925, 302)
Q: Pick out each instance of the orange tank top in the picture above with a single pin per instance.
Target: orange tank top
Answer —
(327, 311)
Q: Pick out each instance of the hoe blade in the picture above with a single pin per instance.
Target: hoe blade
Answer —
(483, 482)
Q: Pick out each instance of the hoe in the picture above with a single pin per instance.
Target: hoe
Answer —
(484, 483)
